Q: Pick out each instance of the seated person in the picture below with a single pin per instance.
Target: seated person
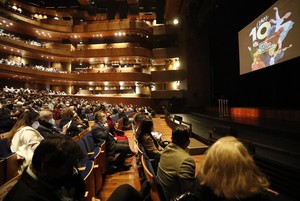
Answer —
(176, 168)
(126, 122)
(87, 117)
(100, 131)
(24, 138)
(137, 119)
(119, 134)
(47, 124)
(52, 175)
(75, 125)
(150, 144)
(228, 172)
(7, 120)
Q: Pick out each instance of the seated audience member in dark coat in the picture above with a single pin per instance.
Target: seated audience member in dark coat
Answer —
(100, 131)
(8, 116)
(47, 124)
(52, 175)
(126, 122)
(70, 116)
(150, 144)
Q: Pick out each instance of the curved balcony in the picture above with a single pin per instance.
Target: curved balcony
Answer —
(68, 27)
(112, 52)
(70, 78)
(159, 53)
(115, 25)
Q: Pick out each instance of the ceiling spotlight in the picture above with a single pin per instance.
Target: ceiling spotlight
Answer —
(175, 21)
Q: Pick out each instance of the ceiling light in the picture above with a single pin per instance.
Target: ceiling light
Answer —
(175, 21)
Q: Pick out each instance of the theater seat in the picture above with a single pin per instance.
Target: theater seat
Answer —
(158, 192)
(8, 185)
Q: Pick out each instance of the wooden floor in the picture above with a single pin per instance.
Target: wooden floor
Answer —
(131, 176)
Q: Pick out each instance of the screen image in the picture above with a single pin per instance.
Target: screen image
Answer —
(271, 38)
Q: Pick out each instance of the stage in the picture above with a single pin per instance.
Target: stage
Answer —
(275, 134)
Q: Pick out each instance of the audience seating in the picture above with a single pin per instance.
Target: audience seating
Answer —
(93, 165)
(86, 168)
(84, 132)
(7, 186)
(157, 192)
(87, 173)
(139, 161)
(94, 153)
(119, 124)
(2, 172)
(114, 118)
(10, 165)
(4, 148)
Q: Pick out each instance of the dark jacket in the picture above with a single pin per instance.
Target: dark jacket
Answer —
(46, 129)
(6, 123)
(30, 189)
(101, 132)
(73, 129)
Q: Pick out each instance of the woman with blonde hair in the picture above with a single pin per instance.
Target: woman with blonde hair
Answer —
(228, 172)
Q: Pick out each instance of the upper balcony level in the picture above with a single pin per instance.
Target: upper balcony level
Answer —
(67, 52)
(64, 78)
(64, 27)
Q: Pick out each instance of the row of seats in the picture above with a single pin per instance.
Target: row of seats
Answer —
(8, 162)
(93, 166)
(115, 117)
(9, 174)
(148, 174)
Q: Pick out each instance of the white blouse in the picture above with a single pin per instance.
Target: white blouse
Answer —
(24, 142)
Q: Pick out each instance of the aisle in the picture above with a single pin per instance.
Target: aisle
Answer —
(131, 176)
(126, 177)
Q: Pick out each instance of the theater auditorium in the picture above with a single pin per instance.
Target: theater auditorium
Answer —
(218, 67)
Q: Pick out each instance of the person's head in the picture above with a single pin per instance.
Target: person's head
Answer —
(229, 170)
(146, 126)
(27, 118)
(181, 136)
(55, 158)
(88, 112)
(100, 117)
(46, 116)
(16, 112)
(67, 113)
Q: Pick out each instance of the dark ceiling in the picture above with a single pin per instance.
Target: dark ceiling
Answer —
(53, 3)
(109, 7)
(142, 5)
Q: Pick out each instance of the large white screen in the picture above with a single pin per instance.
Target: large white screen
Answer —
(271, 38)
